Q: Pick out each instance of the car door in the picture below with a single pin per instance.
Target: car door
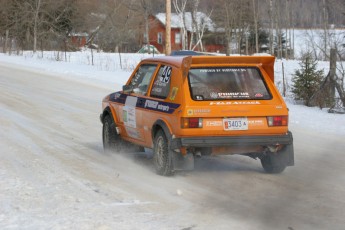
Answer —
(156, 105)
(132, 115)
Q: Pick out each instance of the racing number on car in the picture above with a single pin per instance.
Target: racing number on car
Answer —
(136, 77)
(165, 78)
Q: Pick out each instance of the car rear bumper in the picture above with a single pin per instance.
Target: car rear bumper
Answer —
(212, 141)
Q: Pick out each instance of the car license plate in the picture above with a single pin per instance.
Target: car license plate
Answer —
(240, 123)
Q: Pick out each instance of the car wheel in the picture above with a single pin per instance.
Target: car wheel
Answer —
(111, 140)
(162, 156)
(271, 165)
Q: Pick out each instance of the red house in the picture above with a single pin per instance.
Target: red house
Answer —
(212, 40)
(78, 39)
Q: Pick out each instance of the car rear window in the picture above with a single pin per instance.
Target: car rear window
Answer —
(227, 83)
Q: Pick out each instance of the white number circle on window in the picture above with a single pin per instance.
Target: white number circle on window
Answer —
(165, 78)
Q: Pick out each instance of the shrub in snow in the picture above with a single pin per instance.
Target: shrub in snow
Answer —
(306, 80)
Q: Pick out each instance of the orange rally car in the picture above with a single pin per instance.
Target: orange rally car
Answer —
(184, 107)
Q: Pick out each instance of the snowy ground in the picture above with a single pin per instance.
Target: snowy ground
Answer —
(54, 174)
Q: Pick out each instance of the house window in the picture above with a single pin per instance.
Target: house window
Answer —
(160, 38)
(177, 38)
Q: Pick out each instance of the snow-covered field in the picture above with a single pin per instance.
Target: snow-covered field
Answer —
(54, 174)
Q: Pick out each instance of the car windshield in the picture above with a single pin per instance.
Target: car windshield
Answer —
(227, 83)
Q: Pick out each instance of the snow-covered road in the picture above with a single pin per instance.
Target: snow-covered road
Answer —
(54, 174)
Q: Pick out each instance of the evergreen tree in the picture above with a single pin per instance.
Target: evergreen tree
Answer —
(306, 81)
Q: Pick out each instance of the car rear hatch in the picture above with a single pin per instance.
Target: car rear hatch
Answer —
(233, 96)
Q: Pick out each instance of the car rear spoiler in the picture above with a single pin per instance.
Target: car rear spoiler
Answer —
(266, 62)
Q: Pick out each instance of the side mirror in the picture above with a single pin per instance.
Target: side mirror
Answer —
(127, 88)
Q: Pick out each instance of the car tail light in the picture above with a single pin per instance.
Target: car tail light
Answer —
(278, 121)
(191, 122)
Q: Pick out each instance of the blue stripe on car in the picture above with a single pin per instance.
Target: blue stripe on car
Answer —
(145, 103)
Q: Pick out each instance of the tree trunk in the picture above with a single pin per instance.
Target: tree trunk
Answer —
(287, 26)
(147, 34)
(146, 18)
(183, 31)
(38, 5)
(168, 28)
(333, 66)
(256, 27)
(6, 41)
(228, 28)
(147, 28)
(271, 29)
(278, 31)
(325, 19)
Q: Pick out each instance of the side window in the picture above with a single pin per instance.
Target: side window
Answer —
(142, 78)
(161, 85)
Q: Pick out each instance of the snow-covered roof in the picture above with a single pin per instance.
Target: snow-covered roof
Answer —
(177, 21)
(80, 34)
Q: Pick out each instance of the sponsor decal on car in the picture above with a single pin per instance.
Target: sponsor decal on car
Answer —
(234, 95)
(214, 123)
(173, 93)
(191, 112)
(139, 102)
(235, 103)
(129, 115)
(256, 122)
(156, 105)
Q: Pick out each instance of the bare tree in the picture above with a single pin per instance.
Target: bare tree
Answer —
(256, 19)
(225, 17)
(4, 24)
(105, 17)
(198, 26)
(36, 9)
(168, 28)
(31, 21)
(271, 27)
(146, 7)
(180, 10)
(287, 28)
(325, 25)
(195, 27)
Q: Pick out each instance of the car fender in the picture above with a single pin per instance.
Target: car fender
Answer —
(108, 111)
(160, 124)
(174, 143)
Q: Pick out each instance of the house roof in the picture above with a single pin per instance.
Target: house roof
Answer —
(80, 34)
(177, 21)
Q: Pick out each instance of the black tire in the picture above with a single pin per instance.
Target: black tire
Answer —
(162, 156)
(111, 140)
(269, 164)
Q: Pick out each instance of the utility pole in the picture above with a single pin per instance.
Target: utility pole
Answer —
(168, 28)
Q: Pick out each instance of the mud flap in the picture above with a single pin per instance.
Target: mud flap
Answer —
(182, 162)
(289, 151)
(284, 157)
